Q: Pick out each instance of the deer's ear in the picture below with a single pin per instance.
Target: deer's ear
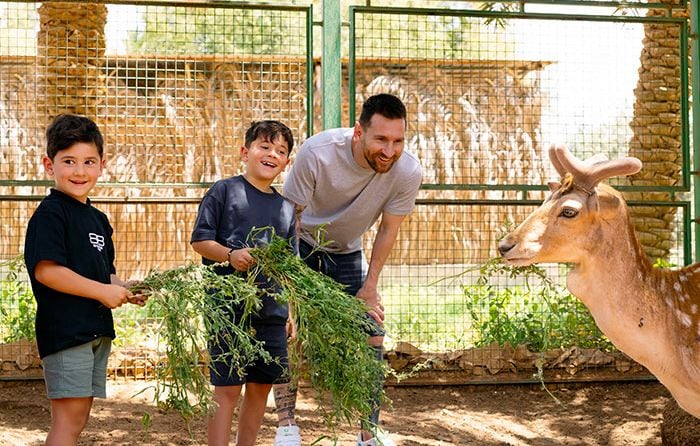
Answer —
(553, 185)
(609, 205)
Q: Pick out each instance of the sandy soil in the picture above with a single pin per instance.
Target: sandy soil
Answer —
(622, 414)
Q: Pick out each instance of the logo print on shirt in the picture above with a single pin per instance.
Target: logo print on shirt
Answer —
(98, 241)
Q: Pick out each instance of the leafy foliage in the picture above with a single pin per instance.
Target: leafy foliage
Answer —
(537, 312)
(331, 340)
(193, 303)
(169, 29)
(18, 309)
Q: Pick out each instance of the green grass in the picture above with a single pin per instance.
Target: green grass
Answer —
(432, 318)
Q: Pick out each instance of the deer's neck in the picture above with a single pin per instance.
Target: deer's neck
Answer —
(616, 282)
(651, 314)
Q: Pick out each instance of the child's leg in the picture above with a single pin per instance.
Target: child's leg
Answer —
(219, 424)
(252, 412)
(68, 419)
(74, 377)
(285, 401)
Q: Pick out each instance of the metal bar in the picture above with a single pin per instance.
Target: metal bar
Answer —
(524, 187)
(222, 3)
(519, 15)
(437, 187)
(310, 71)
(685, 124)
(695, 69)
(219, 4)
(519, 202)
(331, 67)
(351, 67)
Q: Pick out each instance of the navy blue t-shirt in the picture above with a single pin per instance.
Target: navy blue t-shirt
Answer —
(79, 237)
(229, 211)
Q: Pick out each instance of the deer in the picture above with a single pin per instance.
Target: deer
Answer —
(650, 314)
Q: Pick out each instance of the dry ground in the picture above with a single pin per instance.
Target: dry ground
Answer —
(622, 414)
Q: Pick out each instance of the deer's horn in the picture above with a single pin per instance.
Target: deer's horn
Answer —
(587, 175)
(553, 158)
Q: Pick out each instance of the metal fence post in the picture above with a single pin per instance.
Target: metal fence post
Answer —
(331, 67)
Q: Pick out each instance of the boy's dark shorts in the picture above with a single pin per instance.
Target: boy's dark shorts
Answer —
(274, 338)
(346, 269)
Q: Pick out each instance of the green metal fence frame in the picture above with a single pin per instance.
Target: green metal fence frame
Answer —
(201, 4)
(686, 172)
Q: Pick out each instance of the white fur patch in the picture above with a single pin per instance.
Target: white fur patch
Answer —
(685, 319)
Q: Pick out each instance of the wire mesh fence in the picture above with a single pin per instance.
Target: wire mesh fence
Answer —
(486, 94)
(173, 88)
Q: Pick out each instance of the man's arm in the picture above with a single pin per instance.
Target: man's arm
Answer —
(383, 243)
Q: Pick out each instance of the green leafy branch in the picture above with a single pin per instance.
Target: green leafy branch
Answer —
(193, 303)
(330, 349)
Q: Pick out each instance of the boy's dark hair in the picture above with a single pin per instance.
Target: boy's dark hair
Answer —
(384, 104)
(269, 131)
(66, 130)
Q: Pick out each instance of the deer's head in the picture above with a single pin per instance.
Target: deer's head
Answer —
(576, 215)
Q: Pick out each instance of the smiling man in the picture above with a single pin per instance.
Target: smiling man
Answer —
(342, 181)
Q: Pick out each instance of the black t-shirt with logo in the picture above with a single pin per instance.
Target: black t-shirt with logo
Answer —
(79, 237)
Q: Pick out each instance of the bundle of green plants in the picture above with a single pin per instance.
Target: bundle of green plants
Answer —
(536, 311)
(330, 350)
(18, 308)
(192, 303)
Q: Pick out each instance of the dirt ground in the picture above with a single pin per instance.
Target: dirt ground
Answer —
(621, 414)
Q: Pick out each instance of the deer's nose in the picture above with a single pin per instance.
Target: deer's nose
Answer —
(504, 247)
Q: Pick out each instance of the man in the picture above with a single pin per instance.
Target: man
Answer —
(342, 181)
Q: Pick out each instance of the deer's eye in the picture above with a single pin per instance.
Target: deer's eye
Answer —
(568, 213)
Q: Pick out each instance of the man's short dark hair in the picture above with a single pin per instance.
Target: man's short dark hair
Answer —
(269, 131)
(384, 104)
(66, 130)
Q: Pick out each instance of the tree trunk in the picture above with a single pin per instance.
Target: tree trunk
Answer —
(71, 48)
(656, 128)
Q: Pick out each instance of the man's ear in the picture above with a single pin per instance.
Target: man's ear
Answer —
(357, 131)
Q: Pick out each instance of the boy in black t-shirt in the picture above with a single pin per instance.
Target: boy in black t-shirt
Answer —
(70, 260)
(227, 214)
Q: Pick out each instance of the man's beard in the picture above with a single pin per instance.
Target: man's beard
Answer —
(380, 168)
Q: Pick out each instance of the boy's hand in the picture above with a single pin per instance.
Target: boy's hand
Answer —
(114, 296)
(241, 260)
(138, 299)
(139, 292)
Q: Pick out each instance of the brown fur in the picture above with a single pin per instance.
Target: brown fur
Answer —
(651, 314)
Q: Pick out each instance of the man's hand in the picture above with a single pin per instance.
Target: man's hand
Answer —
(374, 302)
(291, 329)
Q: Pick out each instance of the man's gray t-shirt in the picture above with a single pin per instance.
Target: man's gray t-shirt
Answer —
(343, 197)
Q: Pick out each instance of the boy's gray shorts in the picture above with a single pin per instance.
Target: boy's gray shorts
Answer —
(79, 371)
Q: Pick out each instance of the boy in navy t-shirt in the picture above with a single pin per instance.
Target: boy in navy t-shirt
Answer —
(70, 260)
(227, 214)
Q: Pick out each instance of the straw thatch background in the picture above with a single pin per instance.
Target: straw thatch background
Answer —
(178, 121)
(173, 124)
